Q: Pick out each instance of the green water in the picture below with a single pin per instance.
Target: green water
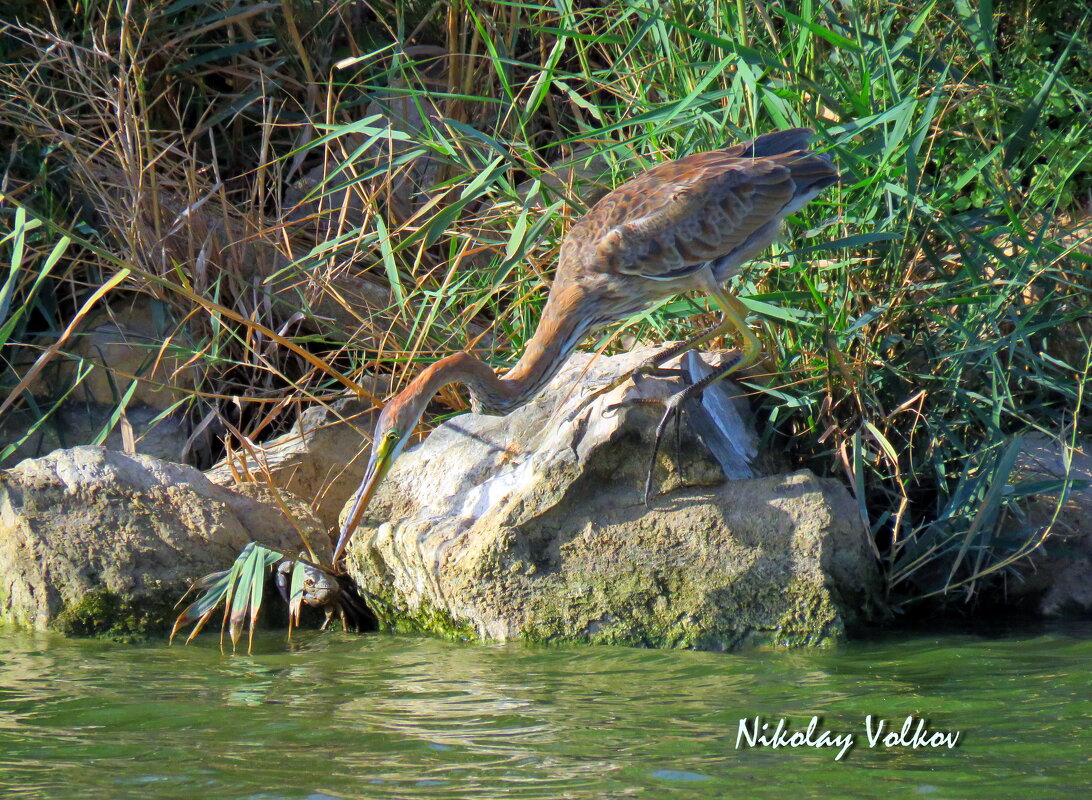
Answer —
(400, 717)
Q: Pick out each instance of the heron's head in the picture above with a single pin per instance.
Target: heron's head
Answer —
(396, 423)
(392, 431)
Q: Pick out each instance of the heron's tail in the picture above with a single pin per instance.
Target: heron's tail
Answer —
(774, 144)
(812, 172)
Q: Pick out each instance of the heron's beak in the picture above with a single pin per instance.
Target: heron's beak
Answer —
(378, 467)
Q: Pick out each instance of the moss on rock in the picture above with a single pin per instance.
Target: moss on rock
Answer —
(107, 615)
(99, 543)
(393, 615)
(692, 578)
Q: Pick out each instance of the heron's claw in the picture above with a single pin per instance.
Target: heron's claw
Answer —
(672, 409)
(649, 368)
(674, 406)
(613, 408)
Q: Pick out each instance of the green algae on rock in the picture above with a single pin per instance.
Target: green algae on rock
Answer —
(112, 616)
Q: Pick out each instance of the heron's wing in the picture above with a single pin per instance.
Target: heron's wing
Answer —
(671, 220)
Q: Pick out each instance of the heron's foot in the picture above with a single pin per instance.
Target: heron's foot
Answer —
(672, 411)
(650, 368)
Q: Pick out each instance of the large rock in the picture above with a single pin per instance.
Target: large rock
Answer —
(1056, 578)
(127, 351)
(96, 541)
(126, 343)
(532, 526)
(75, 424)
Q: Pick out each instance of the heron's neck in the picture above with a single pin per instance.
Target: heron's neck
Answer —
(563, 325)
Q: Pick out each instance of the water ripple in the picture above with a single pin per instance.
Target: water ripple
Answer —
(401, 717)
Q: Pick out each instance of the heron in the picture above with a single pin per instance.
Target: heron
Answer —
(684, 225)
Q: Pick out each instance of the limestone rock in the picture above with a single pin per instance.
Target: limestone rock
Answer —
(532, 526)
(127, 344)
(96, 541)
(75, 424)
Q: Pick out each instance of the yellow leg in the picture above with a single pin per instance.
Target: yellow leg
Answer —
(653, 364)
(736, 314)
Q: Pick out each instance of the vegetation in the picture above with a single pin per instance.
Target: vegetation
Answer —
(311, 193)
(240, 590)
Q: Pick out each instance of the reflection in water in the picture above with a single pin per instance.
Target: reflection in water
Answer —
(402, 717)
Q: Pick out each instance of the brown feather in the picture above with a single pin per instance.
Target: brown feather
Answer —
(669, 230)
(670, 221)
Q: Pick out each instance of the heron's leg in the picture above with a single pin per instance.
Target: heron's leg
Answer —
(673, 406)
(735, 314)
(735, 318)
(652, 365)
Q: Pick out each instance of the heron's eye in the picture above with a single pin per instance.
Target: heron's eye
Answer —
(392, 436)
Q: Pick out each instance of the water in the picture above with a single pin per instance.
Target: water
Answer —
(341, 716)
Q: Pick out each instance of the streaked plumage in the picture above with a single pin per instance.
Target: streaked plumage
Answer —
(684, 225)
(722, 206)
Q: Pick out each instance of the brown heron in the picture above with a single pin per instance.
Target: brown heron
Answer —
(683, 225)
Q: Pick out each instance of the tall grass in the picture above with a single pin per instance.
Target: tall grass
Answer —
(324, 192)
